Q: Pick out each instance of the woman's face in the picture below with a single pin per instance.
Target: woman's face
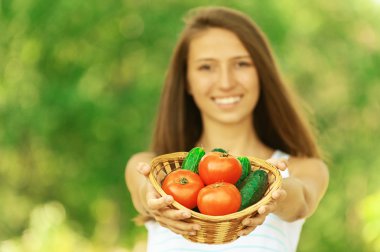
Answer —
(222, 77)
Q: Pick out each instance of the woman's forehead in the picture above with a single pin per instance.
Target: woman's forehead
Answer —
(216, 43)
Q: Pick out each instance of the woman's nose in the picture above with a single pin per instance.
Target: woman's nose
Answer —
(226, 80)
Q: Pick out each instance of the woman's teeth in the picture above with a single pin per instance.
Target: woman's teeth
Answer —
(227, 100)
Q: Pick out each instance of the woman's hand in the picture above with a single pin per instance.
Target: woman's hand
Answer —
(159, 208)
(278, 195)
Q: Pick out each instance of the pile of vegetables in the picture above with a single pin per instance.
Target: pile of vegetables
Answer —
(215, 183)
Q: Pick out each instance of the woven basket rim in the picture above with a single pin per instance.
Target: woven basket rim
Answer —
(245, 212)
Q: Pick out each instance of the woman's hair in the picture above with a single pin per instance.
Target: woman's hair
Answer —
(277, 119)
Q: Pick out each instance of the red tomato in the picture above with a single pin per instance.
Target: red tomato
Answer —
(219, 199)
(184, 186)
(219, 167)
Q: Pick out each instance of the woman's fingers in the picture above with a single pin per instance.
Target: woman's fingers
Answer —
(246, 231)
(179, 231)
(251, 223)
(154, 200)
(279, 195)
(178, 225)
(280, 163)
(267, 209)
(158, 203)
(176, 214)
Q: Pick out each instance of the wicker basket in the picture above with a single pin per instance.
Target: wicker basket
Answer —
(214, 229)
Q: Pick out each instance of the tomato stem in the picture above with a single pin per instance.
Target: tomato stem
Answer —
(183, 181)
(217, 184)
(224, 154)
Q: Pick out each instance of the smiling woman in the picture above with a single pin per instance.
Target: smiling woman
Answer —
(223, 90)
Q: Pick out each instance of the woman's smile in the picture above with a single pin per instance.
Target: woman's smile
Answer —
(227, 101)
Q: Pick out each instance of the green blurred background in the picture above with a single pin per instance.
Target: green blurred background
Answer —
(79, 86)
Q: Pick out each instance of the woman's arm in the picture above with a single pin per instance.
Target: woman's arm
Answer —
(305, 188)
(136, 182)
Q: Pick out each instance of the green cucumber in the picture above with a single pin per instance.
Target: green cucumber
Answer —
(253, 188)
(192, 159)
(219, 150)
(246, 169)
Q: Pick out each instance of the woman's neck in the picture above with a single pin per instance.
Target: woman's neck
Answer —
(238, 139)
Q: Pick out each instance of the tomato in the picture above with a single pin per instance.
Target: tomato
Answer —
(219, 199)
(219, 167)
(184, 186)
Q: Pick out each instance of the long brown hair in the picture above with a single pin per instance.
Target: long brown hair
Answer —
(277, 120)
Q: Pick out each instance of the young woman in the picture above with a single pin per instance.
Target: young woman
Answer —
(223, 90)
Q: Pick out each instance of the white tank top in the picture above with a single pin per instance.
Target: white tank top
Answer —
(274, 234)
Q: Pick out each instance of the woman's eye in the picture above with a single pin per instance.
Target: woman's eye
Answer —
(204, 67)
(243, 64)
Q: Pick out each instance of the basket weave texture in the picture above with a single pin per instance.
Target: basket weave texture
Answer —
(214, 229)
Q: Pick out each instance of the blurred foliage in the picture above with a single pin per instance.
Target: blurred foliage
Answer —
(79, 86)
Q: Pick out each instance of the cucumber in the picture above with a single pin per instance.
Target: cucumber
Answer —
(253, 188)
(192, 159)
(246, 169)
(219, 150)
